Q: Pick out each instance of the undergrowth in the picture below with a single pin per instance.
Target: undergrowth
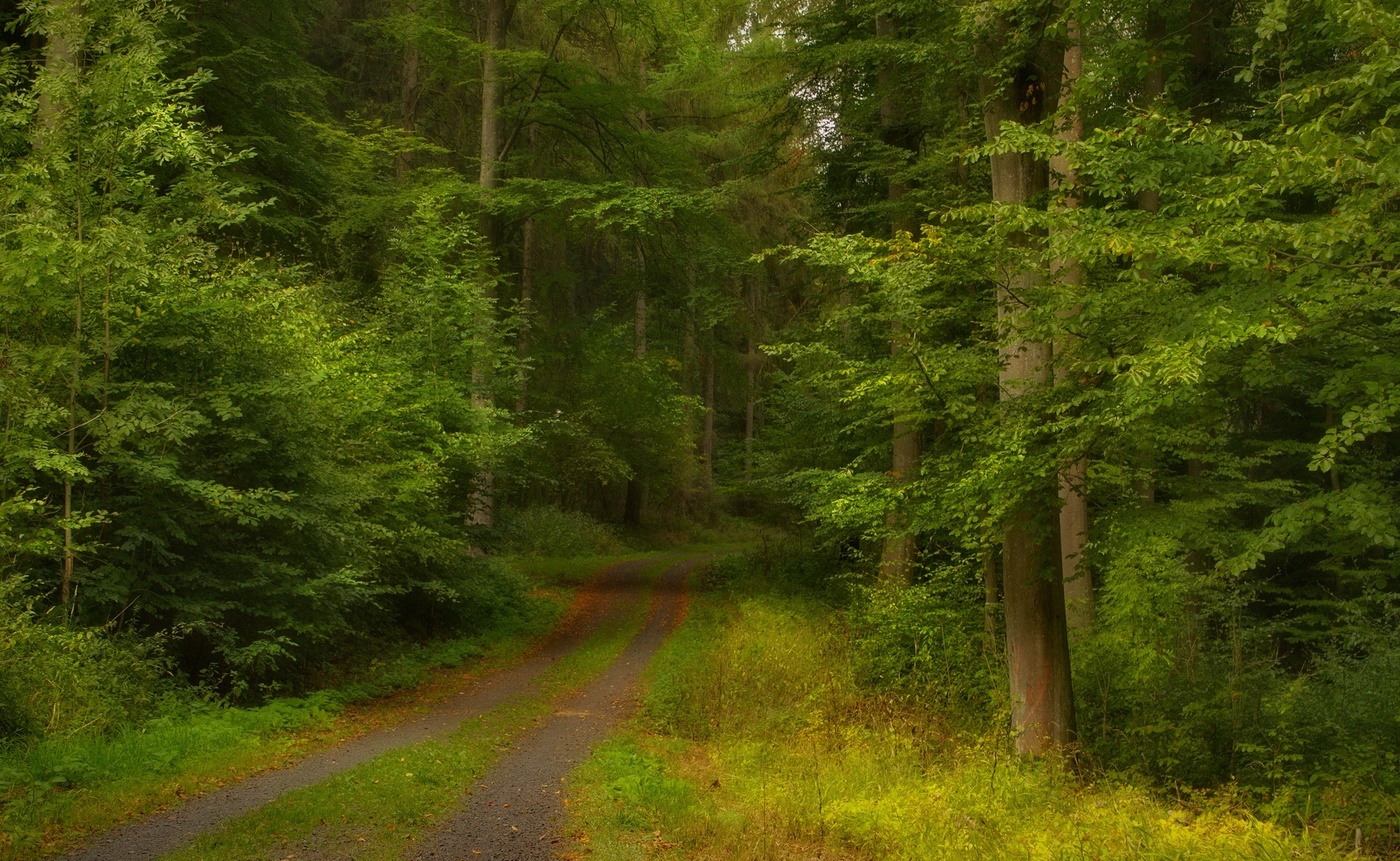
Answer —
(548, 531)
(769, 732)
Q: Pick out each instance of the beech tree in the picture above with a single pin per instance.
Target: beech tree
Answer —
(1037, 647)
(1044, 313)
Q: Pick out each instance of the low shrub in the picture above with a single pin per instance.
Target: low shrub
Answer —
(548, 531)
(925, 644)
(60, 680)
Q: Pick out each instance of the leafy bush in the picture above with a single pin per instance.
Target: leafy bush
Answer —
(1183, 682)
(785, 567)
(547, 531)
(1331, 749)
(928, 644)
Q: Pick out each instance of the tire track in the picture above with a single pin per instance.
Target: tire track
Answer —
(515, 809)
(603, 600)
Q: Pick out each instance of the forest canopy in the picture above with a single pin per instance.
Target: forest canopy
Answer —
(1069, 326)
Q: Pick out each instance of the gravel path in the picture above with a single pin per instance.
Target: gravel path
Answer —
(515, 810)
(602, 600)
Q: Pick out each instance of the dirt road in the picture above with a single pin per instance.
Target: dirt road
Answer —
(514, 811)
(545, 756)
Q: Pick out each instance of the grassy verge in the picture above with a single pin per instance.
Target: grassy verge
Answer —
(375, 810)
(54, 791)
(756, 742)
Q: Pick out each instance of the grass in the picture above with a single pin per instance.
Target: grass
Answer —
(57, 790)
(374, 810)
(569, 571)
(756, 743)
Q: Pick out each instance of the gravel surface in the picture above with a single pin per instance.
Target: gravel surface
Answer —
(603, 600)
(515, 810)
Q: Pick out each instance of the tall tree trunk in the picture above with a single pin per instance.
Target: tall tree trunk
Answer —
(1154, 85)
(750, 404)
(900, 549)
(1037, 645)
(1074, 509)
(529, 250)
(69, 551)
(1149, 200)
(709, 431)
(483, 502)
(61, 60)
(527, 306)
(752, 361)
(491, 90)
(640, 316)
(697, 490)
(410, 87)
(61, 48)
(632, 507)
(636, 490)
(1210, 19)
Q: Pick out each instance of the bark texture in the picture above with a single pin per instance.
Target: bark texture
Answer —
(62, 59)
(410, 87)
(901, 549)
(483, 502)
(1149, 200)
(1037, 645)
(1074, 500)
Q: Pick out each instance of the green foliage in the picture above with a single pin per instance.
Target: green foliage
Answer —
(547, 531)
(1221, 362)
(926, 642)
(262, 328)
(618, 416)
(643, 794)
(257, 470)
(758, 737)
(58, 681)
(266, 97)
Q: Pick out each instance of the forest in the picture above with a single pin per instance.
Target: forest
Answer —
(1033, 364)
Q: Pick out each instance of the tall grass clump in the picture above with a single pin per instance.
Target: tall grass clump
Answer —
(60, 680)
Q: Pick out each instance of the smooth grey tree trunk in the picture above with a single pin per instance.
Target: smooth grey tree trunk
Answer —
(1074, 508)
(410, 88)
(1149, 200)
(483, 497)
